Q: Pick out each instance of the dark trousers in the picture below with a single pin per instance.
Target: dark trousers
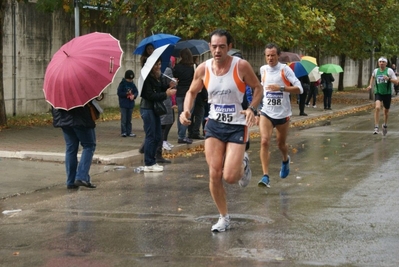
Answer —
(312, 94)
(206, 113)
(165, 132)
(302, 99)
(327, 98)
(197, 117)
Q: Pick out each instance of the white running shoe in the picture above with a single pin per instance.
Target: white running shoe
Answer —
(153, 168)
(222, 225)
(169, 144)
(166, 146)
(314, 106)
(376, 131)
(246, 178)
(159, 166)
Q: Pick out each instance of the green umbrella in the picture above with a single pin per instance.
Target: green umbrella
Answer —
(331, 68)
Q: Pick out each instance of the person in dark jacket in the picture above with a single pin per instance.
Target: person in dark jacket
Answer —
(327, 86)
(184, 72)
(78, 128)
(197, 114)
(127, 93)
(153, 90)
(305, 82)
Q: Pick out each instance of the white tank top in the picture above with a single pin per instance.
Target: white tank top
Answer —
(225, 94)
(276, 104)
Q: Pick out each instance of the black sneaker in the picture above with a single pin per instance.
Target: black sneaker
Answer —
(85, 184)
(185, 141)
(163, 160)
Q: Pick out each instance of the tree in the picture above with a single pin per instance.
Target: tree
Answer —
(357, 24)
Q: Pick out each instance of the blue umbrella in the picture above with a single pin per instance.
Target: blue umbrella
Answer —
(298, 69)
(157, 40)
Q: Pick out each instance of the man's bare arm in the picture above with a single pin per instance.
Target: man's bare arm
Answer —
(249, 77)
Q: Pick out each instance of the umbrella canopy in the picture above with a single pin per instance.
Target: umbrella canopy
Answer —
(298, 69)
(234, 51)
(286, 57)
(331, 68)
(164, 52)
(81, 69)
(309, 63)
(310, 59)
(197, 47)
(157, 40)
(315, 75)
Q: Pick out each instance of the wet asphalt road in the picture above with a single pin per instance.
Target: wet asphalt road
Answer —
(338, 207)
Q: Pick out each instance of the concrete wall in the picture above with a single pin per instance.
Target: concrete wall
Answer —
(40, 35)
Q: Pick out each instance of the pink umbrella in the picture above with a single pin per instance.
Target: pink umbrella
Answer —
(81, 69)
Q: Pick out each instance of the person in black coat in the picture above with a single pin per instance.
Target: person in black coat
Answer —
(327, 86)
(153, 90)
(305, 82)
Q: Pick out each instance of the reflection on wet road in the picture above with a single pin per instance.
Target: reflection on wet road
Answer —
(338, 207)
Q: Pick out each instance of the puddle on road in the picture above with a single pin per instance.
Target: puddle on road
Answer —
(236, 219)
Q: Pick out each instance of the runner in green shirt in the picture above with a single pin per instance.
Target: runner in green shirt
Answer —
(382, 80)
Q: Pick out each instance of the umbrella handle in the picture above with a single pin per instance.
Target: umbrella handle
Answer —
(111, 64)
(170, 78)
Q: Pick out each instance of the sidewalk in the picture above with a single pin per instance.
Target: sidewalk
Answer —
(46, 143)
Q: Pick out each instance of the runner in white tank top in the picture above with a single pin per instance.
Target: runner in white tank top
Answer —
(225, 94)
(225, 78)
(277, 105)
(278, 82)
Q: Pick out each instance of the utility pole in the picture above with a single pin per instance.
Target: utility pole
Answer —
(77, 19)
(371, 91)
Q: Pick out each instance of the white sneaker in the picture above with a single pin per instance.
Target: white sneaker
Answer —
(159, 166)
(314, 106)
(166, 146)
(246, 178)
(153, 168)
(169, 144)
(222, 225)
(307, 106)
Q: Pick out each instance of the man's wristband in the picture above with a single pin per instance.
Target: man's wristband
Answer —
(253, 110)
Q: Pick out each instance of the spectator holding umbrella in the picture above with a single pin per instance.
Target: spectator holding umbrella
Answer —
(148, 50)
(327, 86)
(153, 90)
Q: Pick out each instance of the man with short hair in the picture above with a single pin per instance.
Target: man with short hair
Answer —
(382, 80)
(278, 81)
(226, 131)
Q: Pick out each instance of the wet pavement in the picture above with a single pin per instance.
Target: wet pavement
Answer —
(338, 207)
